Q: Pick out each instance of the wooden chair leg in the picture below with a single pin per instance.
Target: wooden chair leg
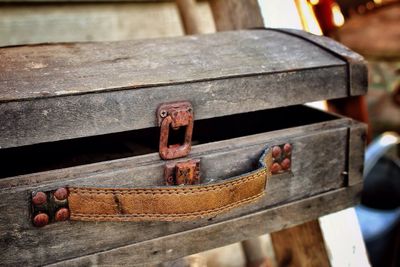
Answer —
(189, 16)
(255, 257)
(300, 246)
(236, 14)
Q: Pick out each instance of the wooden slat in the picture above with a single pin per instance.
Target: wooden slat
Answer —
(190, 16)
(231, 231)
(47, 22)
(357, 143)
(318, 163)
(236, 14)
(43, 71)
(101, 88)
(300, 246)
(357, 72)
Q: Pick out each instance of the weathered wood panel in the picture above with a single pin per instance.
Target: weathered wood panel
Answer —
(86, 115)
(30, 72)
(228, 73)
(357, 143)
(357, 66)
(319, 160)
(82, 22)
(226, 232)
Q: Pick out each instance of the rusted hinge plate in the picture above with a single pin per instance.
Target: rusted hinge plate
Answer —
(50, 206)
(182, 173)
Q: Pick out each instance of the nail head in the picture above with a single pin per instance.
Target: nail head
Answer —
(62, 214)
(61, 193)
(41, 220)
(39, 198)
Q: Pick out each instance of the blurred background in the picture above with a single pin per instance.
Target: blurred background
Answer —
(369, 27)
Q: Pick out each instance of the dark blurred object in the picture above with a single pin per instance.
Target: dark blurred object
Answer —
(383, 96)
(351, 7)
(375, 34)
(324, 14)
(382, 185)
(396, 95)
(379, 212)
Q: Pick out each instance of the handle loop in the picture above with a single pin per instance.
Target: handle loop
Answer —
(169, 203)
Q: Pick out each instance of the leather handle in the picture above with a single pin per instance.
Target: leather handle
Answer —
(169, 203)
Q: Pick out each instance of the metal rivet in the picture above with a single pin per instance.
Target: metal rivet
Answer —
(276, 151)
(275, 168)
(39, 198)
(287, 148)
(62, 215)
(163, 113)
(41, 220)
(61, 193)
(285, 164)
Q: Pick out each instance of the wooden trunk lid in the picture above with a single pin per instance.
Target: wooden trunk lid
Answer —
(64, 91)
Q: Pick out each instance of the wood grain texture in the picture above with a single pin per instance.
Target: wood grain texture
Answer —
(357, 66)
(77, 90)
(226, 232)
(357, 143)
(87, 21)
(314, 171)
(43, 71)
(300, 246)
(236, 14)
(190, 16)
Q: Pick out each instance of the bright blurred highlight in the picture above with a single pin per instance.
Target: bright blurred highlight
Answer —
(389, 138)
(307, 17)
(314, 2)
(338, 18)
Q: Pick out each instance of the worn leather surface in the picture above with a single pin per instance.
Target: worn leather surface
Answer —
(169, 203)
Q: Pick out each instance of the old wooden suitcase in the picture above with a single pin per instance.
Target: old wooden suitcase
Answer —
(139, 152)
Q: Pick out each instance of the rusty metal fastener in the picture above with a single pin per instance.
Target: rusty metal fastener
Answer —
(41, 220)
(285, 164)
(39, 199)
(287, 148)
(175, 115)
(62, 215)
(182, 173)
(275, 168)
(61, 194)
(276, 151)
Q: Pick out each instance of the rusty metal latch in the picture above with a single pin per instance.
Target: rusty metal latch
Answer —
(173, 116)
(182, 173)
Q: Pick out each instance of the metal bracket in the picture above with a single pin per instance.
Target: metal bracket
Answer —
(51, 206)
(175, 115)
(282, 158)
(182, 173)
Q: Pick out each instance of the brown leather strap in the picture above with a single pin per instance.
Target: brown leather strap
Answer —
(169, 203)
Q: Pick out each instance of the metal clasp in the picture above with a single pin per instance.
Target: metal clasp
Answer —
(175, 115)
(182, 173)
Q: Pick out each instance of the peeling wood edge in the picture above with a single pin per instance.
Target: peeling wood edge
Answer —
(181, 244)
(356, 64)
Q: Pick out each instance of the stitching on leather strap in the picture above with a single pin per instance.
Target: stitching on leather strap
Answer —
(169, 203)
(167, 190)
(144, 216)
